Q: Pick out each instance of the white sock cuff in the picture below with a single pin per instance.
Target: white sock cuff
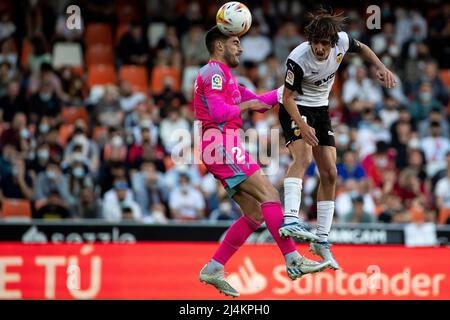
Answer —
(325, 205)
(293, 182)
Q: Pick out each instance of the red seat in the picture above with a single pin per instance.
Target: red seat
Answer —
(16, 208)
(99, 54)
(72, 114)
(98, 33)
(136, 76)
(101, 74)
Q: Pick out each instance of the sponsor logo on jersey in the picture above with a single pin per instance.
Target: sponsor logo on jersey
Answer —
(320, 82)
(216, 82)
(290, 77)
(339, 57)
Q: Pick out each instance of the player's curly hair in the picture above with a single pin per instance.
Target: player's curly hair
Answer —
(324, 25)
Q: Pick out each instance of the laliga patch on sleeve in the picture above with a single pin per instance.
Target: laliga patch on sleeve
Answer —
(290, 77)
(216, 82)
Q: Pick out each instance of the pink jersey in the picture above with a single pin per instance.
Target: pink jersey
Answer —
(217, 97)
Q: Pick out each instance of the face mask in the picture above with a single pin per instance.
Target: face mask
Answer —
(355, 34)
(425, 96)
(225, 207)
(51, 174)
(78, 172)
(381, 162)
(343, 139)
(24, 134)
(44, 128)
(394, 51)
(15, 171)
(117, 141)
(80, 139)
(43, 154)
(45, 96)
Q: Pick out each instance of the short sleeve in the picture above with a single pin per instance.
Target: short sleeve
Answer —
(294, 76)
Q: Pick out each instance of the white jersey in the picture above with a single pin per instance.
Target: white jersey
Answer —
(317, 77)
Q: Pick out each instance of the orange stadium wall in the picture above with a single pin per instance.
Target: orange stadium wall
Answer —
(169, 270)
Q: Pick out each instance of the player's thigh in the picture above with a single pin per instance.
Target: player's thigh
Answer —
(325, 158)
(301, 153)
(259, 187)
(249, 205)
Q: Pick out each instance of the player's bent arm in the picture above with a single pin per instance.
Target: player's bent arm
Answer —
(291, 106)
(219, 110)
(383, 74)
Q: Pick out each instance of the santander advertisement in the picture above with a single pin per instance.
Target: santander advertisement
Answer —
(170, 271)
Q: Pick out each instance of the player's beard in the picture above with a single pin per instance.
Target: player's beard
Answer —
(231, 59)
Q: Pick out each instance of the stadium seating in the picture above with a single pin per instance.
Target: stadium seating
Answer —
(99, 54)
(136, 75)
(16, 209)
(72, 114)
(98, 33)
(101, 74)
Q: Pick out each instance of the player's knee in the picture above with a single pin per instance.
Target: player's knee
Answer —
(329, 176)
(302, 161)
(270, 193)
(257, 215)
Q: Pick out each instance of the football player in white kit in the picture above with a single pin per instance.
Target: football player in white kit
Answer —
(303, 115)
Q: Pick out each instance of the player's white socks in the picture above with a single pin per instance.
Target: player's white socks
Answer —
(292, 256)
(213, 266)
(325, 211)
(292, 199)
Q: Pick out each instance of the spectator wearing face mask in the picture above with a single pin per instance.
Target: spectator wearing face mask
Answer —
(225, 211)
(41, 160)
(52, 179)
(424, 103)
(115, 149)
(78, 175)
(87, 149)
(186, 203)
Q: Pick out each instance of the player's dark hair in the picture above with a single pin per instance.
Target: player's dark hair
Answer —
(324, 25)
(212, 36)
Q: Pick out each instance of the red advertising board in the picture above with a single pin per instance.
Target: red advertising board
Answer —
(170, 271)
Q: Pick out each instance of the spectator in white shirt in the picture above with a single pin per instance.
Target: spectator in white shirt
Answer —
(186, 202)
(118, 203)
(435, 148)
(168, 127)
(256, 47)
(360, 92)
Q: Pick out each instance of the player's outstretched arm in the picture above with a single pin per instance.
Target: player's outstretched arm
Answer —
(269, 98)
(384, 75)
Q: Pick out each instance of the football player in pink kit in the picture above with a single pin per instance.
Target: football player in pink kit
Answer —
(218, 102)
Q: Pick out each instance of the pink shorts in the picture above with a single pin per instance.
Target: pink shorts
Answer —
(228, 161)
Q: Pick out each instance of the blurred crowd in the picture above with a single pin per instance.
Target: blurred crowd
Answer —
(76, 149)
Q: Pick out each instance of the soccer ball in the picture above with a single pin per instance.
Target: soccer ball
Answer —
(233, 19)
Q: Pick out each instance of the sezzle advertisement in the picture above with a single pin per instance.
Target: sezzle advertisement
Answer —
(168, 270)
